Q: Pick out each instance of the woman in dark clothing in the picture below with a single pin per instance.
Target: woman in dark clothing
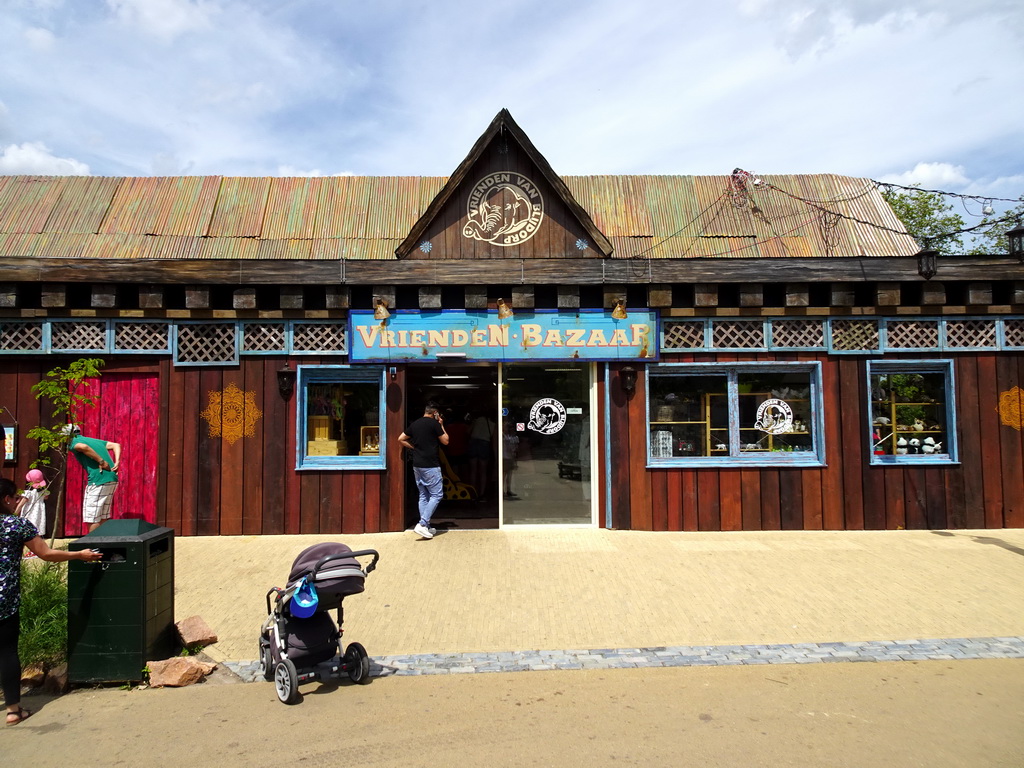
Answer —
(16, 533)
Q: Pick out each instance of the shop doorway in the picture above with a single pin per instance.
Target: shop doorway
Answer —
(547, 445)
(467, 395)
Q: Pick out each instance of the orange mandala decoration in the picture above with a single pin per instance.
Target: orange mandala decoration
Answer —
(232, 413)
(1011, 403)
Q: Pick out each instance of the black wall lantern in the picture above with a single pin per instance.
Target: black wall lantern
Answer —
(627, 377)
(926, 263)
(1015, 237)
(286, 381)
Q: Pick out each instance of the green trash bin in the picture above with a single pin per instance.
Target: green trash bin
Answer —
(121, 609)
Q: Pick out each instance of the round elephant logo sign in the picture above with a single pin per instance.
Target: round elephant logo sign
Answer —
(504, 208)
(547, 416)
(774, 416)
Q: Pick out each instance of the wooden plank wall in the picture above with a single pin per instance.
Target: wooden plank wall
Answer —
(207, 487)
(986, 490)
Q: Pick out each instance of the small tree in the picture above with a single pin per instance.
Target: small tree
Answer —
(927, 217)
(64, 389)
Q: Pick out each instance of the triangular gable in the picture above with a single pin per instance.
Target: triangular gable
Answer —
(504, 201)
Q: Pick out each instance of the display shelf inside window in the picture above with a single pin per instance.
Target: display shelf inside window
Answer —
(688, 422)
(907, 414)
(797, 436)
(337, 415)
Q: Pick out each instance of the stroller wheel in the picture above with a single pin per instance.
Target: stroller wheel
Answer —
(286, 681)
(266, 660)
(357, 663)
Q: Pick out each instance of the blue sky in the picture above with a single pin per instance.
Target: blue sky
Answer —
(928, 93)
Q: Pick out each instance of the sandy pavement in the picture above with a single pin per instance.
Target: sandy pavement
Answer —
(938, 714)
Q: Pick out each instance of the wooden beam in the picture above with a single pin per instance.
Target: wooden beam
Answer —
(842, 295)
(430, 297)
(933, 293)
(386, 292)
(751, 295)
(797, 295)
(244, 298)
(197, 297)
(8, 295)
(887, 294)
(1018, 291)
(103, 297)
(476, 297)
(705, 295)
(151, 297)
(292, 297)
(979, 293)
(568, 271)
(568, 297)
(523, 297)
(54, 295)
(338, 297)
(613, 293)
(659, 295)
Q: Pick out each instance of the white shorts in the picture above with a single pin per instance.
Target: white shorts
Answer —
(97, 503)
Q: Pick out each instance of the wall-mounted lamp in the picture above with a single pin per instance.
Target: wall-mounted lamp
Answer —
(380, 309)
(286, 381)
(627, 377)
(1015, 237)
(619, 310)
(504, 310)
(927, 264)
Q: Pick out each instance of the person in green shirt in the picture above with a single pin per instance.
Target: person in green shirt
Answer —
(100, 458)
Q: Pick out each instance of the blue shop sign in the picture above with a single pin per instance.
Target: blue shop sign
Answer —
(454, 335)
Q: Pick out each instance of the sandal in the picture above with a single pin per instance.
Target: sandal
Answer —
(21, 714)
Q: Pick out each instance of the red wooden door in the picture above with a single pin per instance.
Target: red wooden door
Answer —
(127, 413)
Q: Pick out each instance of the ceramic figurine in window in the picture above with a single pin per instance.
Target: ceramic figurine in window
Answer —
(882, 420)
(918, 425)
(901, 446)
(930, 446)
(915, 445)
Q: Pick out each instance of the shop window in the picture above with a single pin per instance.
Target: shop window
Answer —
(718, 413)
(912, 415)
(340, 417)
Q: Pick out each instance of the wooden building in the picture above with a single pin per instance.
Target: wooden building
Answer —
(688, 353)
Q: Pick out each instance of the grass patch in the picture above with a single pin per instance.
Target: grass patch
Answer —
(44, 613)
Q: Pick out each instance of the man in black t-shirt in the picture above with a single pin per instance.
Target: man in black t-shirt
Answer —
(423, 437)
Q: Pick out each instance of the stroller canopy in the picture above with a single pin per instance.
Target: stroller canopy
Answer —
(338, 577)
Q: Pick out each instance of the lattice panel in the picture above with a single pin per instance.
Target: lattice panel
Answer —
(802, 332)
(78, 335)
(21, 337)
(971, 333)
(738, 334)
(213, 343)
(684, 334)
(1013, 332)
(142, 337)
(263, 337)
(318, 337)
(854, 335)
(912, 334)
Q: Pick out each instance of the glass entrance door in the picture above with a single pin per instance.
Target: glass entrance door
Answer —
(546, 451)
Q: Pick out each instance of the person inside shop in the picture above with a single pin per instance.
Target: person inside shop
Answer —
(424, 437)
(481, 452)
(16, 533)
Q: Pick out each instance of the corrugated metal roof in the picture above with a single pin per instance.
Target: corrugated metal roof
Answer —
(366, 217)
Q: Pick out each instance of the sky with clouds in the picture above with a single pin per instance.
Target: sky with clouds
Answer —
(909, 91)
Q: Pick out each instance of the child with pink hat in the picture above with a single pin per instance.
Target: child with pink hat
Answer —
(32, 506)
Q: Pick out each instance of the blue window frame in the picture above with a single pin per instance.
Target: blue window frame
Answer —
(340, 417)
(913, 413)
(730, 414)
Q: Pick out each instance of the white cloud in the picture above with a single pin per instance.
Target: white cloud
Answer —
(34, 158)
(164, 18)
(945, 176)
(288, 170)
(39, 39)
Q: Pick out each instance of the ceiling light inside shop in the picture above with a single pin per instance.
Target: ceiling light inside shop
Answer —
(449, 377)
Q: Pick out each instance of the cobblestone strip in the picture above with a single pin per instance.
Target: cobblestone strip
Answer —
(682, 656)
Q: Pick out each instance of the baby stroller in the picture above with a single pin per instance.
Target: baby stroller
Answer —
(300, 641)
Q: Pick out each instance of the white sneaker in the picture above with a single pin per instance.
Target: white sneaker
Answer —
(422, 530)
